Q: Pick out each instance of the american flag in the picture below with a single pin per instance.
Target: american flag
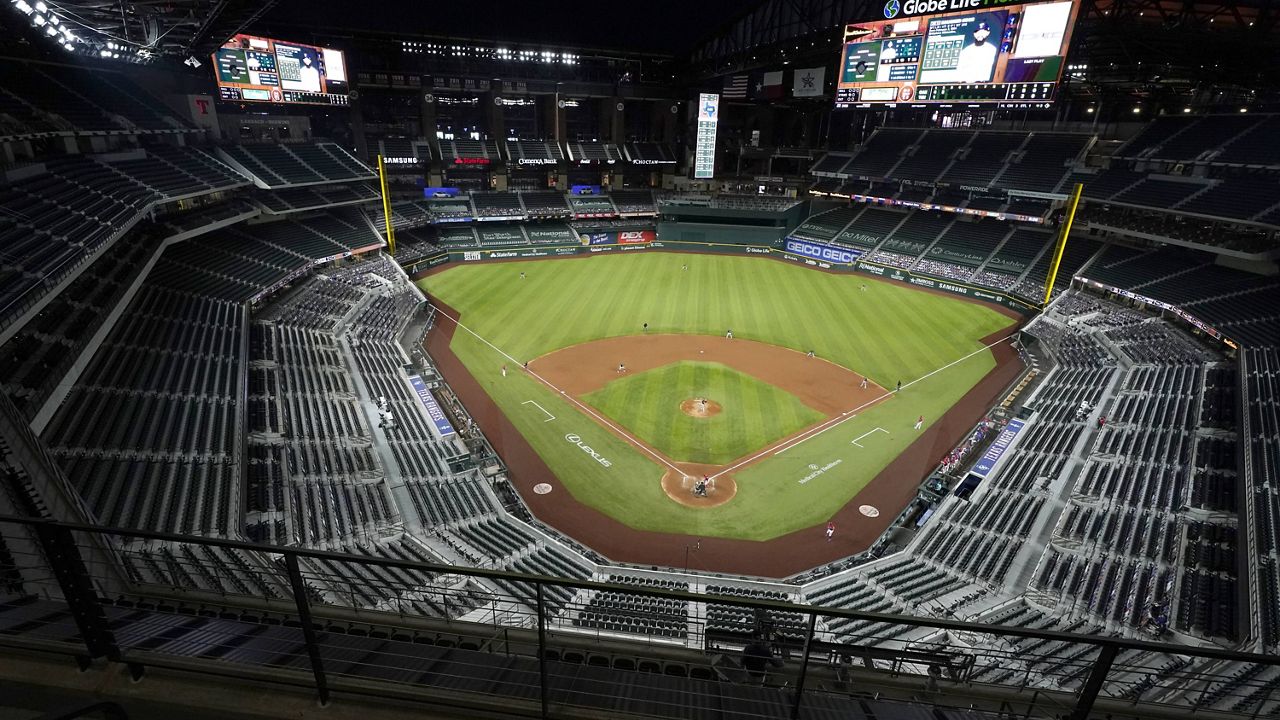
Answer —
(735, 87)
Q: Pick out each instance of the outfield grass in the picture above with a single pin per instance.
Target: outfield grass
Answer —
(889, 332)
(754, 413)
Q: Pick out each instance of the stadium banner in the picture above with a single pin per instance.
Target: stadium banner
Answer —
(1186, 316)
(418, 268)
(440, 424)
(906, 276)
(1003, 442)
(808, 82)
(440, 192)
(636, 237)
(507, 253)
(822, 251)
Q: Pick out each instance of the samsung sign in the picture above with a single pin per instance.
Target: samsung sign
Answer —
(822, 252)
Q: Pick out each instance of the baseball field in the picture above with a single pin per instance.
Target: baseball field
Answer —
(633, 392)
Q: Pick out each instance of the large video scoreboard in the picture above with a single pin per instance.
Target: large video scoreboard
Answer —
(261, 69)
(1006, 52)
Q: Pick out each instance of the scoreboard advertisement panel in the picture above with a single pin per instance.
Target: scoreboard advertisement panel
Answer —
(259, 69)
(1006, 52)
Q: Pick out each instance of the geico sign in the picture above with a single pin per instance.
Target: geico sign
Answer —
(822, 252)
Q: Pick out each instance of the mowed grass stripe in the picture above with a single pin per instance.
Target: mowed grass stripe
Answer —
(753, 413)
(889, 332)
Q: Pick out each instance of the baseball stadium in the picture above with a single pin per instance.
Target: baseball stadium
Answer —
(789, 359)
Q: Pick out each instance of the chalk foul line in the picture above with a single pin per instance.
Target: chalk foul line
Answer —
(853, 412)
(584, 408)
(802, 437)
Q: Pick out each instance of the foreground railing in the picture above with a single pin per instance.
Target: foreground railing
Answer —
(372, 626)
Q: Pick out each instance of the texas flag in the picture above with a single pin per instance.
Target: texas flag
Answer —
(768, 86)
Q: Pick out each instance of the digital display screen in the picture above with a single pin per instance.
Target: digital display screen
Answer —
(258, 69)
(704, 155)
(994, 51)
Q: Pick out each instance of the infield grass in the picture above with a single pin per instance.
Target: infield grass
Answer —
(890, 332)
(754, 413)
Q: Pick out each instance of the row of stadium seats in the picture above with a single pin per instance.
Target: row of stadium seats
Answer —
(41, 99)
(276, 165)
(1228, 140)
(61, 212)
(1250, 198)
(521, 206)
(1000, 255)
(281, 202)
(1035, 161)
(1262, 465)
(518, 152)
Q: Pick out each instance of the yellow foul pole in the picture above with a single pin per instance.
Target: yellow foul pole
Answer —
(386, 207)
(1062, 242)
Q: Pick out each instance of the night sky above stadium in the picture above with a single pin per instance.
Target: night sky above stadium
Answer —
(661, 26)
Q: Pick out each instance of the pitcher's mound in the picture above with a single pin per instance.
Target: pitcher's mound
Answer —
(700, 408)
(679, 486)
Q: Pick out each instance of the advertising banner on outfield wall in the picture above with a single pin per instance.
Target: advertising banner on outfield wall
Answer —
(633, 237)
(804, 251)
(822, 251)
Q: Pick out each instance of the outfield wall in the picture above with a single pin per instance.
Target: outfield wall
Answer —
(721, 234)
(814, 254)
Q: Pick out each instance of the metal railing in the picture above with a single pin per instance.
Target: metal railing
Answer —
(544, 646)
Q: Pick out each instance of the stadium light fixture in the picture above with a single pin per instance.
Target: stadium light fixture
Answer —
(24, 7)
(41, 7)
(1186, 109)
(38, 20)
(1136, 109)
